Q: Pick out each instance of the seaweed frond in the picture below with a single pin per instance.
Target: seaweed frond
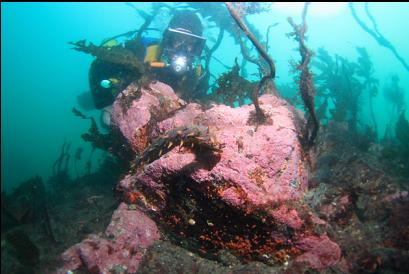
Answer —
(306, 85)
(116, 55)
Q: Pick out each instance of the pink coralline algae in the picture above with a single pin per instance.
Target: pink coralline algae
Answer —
(320, 252)
(258, 170)
(121, 247)
(212, 177)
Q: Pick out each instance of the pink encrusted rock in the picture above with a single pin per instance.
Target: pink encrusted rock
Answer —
(257, 170)
(260, 169)
(132, 122)
(132, 227)
(126, 184)
(337, 208)
(122, 247)
(400, 195)
(286, 216)
(320, 252)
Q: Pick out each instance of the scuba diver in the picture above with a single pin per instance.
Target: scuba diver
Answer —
(175, 60)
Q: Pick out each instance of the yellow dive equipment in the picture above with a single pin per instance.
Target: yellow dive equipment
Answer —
(157, 64)
(114, 81)
(152, 54)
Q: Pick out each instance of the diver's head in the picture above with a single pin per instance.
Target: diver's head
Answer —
(182, 42)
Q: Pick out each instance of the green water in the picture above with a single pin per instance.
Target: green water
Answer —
(41, 75)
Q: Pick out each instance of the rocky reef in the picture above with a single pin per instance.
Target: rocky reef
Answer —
(213, 183)
(119, 249)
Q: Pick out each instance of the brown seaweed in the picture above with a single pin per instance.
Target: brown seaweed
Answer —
(366, 70)
(231, 87)
(376, 34)
(78, 156)
(402, 129)
(306, 85)
(94, 136)
(97, 139)
(60, 165)
(236, 16)
(79, 113)
(116, 55)
(339, 81)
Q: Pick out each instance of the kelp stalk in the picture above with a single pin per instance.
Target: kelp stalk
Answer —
(306, 85)
(209, 52)
(376, 34)
(259, 113)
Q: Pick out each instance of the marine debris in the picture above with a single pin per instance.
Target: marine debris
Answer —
(306, 86)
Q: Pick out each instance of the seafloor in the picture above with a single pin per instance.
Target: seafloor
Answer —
(359, 196)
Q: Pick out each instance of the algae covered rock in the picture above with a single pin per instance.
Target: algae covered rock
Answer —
(213, 177)
(121, 247)
(216, 184)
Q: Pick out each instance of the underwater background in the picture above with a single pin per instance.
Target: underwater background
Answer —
(363, 132)
(42, 75)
